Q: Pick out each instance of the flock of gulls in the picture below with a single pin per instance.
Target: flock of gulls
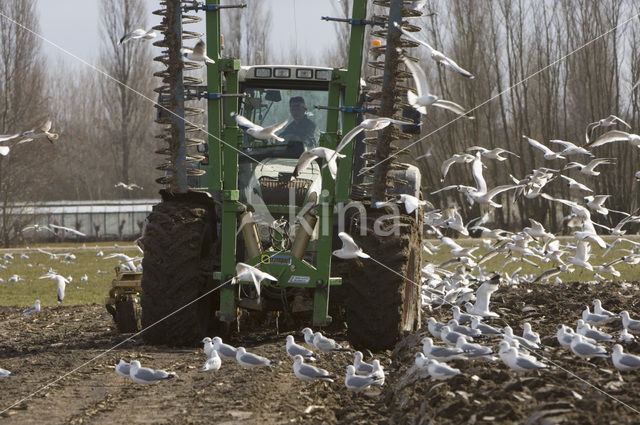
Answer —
(360, 376)
(468, 336)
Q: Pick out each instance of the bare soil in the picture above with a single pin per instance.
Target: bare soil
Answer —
(40, 349)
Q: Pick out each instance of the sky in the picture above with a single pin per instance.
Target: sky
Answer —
(74, 24)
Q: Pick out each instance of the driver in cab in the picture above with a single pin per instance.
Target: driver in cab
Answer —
(301, 129)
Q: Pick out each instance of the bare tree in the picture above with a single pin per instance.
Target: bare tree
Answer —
(23, 100)
(125, 122)
(246, 33)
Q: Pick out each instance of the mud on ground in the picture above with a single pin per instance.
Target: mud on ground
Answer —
(40, 349)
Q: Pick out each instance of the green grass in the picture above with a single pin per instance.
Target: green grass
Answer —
(25, 292)
(628, 272)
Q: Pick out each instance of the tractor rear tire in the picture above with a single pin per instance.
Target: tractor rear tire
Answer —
(128, 315)
(180, 249)
(383, 304)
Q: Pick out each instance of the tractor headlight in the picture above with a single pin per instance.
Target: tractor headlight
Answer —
(262, 72)
(304, 73)
(322, 74)
(282, 73)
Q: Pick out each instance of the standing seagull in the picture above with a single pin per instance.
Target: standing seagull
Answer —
(349, 248)
(197, 53)
(437, 55)
(144, 375)
(34, 309)
(258, 132)
(226, 351)
(622, 361)
(309, 373)
(357, 383)
(250, 360)
(586, 350)
(213, 362)
(294, 350)
(138, 33)
(326, 344)
(628, 322)
(123, 369)
(424, 98)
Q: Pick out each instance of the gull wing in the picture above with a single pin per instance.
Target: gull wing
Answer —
(244, 122)
(620, 120)
(445, 60)
(276, 127)
(347, 137)
(348, 242)
(303, 162)
(199, 48)
(452, 106)
(538, 145)
(46, 126)
(610, 137)
(499, 189)
(419, 77)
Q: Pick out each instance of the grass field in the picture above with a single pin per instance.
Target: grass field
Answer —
(100, 271)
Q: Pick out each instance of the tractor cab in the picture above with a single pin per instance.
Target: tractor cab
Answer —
(275, 94)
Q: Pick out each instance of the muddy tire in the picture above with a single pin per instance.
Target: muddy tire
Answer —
(180, 248)
(383, 305)
(128, 315)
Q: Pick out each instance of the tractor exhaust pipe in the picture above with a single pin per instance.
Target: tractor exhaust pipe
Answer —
(303, 234)
(250, 233)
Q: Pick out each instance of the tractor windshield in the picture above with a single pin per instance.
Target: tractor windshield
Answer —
(267, 107)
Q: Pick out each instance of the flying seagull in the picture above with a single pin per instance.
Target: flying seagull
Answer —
(305, 159)
(424, 98)
(259, 132)
(370, 124)
(605, 122)
(138, 33)
(350, 249)
(197, 53)
(437, 55)
(38, 133)
(245, 272)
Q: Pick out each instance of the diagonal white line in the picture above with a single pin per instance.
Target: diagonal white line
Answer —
(501, 93)
(121, 342)
(127, 87)
(545, 358)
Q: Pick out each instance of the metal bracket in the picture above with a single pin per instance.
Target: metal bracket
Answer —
(355, 21)
(349, 109)
(213, 96)
(213, 7)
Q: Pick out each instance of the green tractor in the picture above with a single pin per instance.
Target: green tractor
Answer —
(249, 207)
